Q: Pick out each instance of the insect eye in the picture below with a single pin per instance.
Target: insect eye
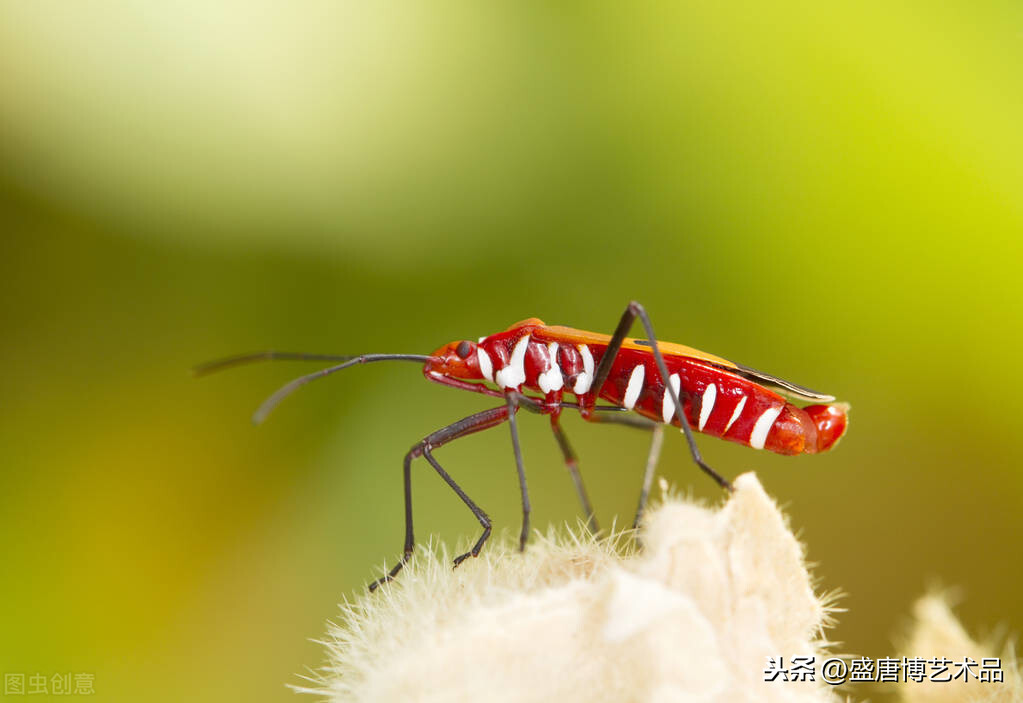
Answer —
(463, 349)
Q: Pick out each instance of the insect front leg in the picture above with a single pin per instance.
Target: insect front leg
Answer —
(633, 311)
(474, 423)
(512, 400)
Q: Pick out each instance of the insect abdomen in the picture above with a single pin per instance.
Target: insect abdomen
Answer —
(723, 404)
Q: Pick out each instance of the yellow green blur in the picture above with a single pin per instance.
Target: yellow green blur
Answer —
(830, 192)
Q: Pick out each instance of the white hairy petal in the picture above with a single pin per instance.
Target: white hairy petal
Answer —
(693, 616)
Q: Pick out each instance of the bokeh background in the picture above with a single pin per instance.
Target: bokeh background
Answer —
(832, 192)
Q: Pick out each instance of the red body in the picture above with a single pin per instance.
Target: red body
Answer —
(719, 397)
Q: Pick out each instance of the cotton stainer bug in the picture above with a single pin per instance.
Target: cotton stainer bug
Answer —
(716, 396)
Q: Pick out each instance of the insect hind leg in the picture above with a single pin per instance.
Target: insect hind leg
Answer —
(657, 437)
(632, 311)
(613, 415)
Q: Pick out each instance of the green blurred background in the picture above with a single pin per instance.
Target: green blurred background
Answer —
(832, 192)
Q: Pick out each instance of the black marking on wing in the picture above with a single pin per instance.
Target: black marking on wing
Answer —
(780, 384)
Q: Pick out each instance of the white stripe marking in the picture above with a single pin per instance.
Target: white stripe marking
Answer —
(710, 394)
(735, 414)
(635, 386)
(486, 365)
(667, 406)
(583, 380)
(514, 374)
(763, 426)
(551, 379)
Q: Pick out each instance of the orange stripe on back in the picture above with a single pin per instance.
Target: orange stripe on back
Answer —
(574, 336)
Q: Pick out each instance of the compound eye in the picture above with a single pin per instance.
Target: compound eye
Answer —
(463, 349)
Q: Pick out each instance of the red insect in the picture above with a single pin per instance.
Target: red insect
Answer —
(713, 395)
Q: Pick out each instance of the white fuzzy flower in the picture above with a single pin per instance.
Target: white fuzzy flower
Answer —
(936, 631)
(693, 616)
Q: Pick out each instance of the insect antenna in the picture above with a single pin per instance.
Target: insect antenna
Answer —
(241, 359)
(288, 388)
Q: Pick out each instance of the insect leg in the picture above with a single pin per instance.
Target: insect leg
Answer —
(466, 426)
(572, 464)
(616, 417)
(513, 401)
(513, 407)
(533, 405)
(633, 311)
(656, 439)
(480, 515)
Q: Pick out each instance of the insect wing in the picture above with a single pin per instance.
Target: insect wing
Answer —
(669, 349)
